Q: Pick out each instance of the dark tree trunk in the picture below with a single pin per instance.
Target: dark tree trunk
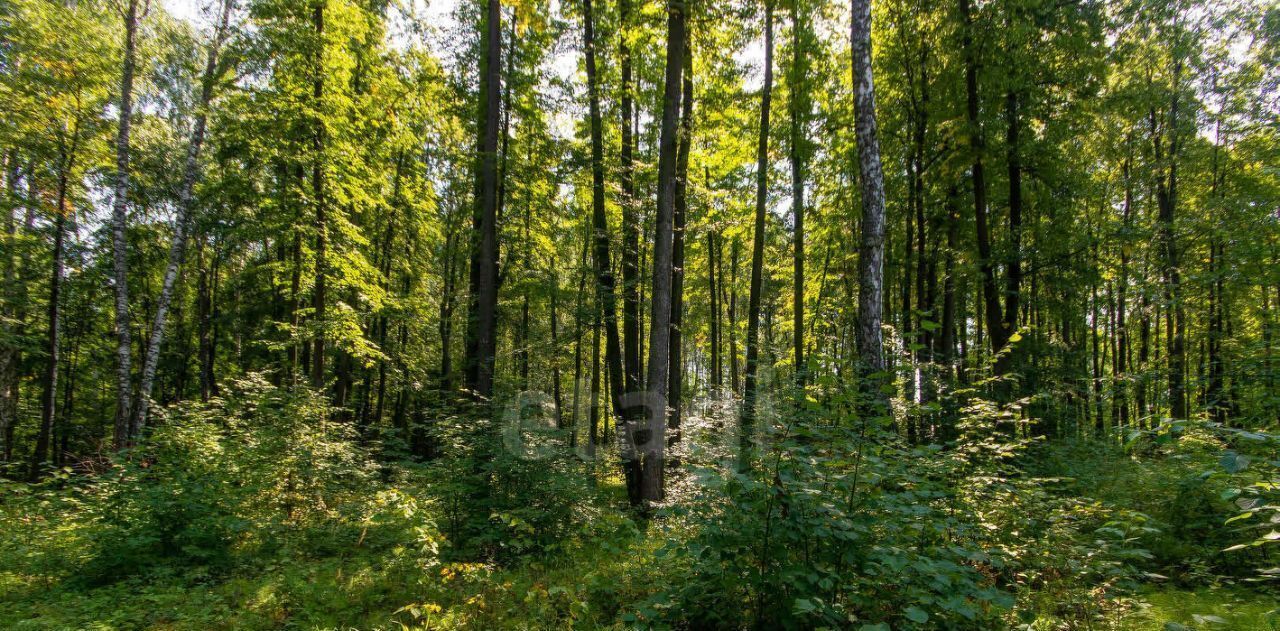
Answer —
(990, 293)
(1013, 286)
(319, 300)
(482, 307)
(555, 351)
(632, 365)
(713, 295)
(606, 307)
(747, 423)
(650, 440)
(676, 369)
(67, 157)
(799, 102)
(734, 251)
(947, 336)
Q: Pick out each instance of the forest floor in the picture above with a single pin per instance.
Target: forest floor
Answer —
(352, 576)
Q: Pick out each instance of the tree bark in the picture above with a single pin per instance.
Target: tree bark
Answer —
(632, 347)
(119, 220)
(676, 370)
(1166, 203)
(746, 425)
(606, 306)
(799, 102)
(67, 157)
(178, 241)
(650, 440)
(990, 293)
(871, 180)
(483, 303)
(1013, 284)
(319, 297)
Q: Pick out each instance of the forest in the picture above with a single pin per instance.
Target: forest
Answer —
(640, 314)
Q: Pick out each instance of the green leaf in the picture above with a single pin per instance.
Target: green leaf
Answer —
(1233, 462)
(916, 614)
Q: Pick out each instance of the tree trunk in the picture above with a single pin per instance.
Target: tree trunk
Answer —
(483, 303)
(555, 351)
(178, 242)
(319, 300)
(713, 295)
(606, 308)
(48, 398)
(734, 257)
(685, 139)
(746, 426)
(650, 441)
(631, 308)
(1166, 202)
(799, 102)
(1122, 306)
(990, 293)
(871, 180)
(119, 220)
(11, 353)
(1013, 284)
(947, 336)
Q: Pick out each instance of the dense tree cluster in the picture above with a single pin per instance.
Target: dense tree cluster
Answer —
(850, 256)
(1076, 199)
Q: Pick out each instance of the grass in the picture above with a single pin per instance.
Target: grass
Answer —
(1211, 609)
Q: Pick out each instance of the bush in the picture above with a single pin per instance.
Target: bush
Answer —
(259, 469)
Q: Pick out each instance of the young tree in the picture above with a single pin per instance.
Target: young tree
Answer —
(749, 385)
(181, 224)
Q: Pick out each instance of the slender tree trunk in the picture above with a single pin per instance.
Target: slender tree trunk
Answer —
(11, 353)
(799, 102)
(319, 297)
(871, 180)
(734, 257)
(522, 334)
(1098, 425)
(577, 337)
(990, 293)
(631, 307)
(651, 440)
(685, 139)
(1013, 285)
(1122, 306)
(555, 351)
(594, 435)
(483, 303)
(947, 335)
(448, 304)
(119, 222)
(747, 422)
(713, 294)
(67, 158)
(178, 242)
(606, 307)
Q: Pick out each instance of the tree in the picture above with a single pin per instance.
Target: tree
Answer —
(482, 306)
(181, 225)
(651, 440)
(749, 385)
(871, 186)
(124, 431)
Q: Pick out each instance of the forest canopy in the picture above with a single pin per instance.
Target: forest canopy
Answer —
(640, 314)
